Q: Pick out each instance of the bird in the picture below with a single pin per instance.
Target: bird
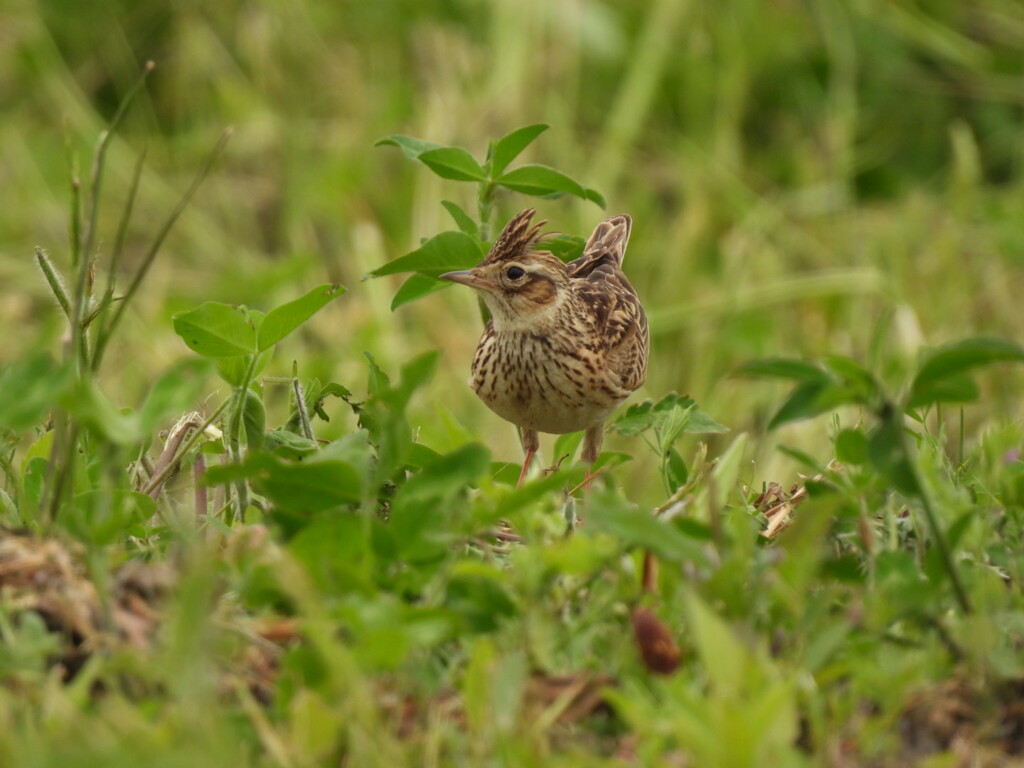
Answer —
(566, 343)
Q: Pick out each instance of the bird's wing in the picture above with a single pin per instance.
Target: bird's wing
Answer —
(604, 250)
(620, 322)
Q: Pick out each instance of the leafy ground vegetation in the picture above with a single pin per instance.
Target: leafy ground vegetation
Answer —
(251, 517)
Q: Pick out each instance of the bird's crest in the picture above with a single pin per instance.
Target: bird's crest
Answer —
(516, 238)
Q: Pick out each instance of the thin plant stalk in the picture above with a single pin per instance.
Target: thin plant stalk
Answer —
(235, 435)
(52, 276)
(300, 404)
(103, 337)
(99, 159)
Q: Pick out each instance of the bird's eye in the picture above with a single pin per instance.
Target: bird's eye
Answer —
(514, 273)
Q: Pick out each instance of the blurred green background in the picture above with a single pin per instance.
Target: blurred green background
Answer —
(805, 178)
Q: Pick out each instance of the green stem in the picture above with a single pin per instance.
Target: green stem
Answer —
(99, 159)
(939, 538)
(235, 435)
(75, 208)
(484, 207)
(53, 279)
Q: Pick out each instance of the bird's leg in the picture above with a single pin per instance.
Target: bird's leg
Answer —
(531, 442)
(591, 448)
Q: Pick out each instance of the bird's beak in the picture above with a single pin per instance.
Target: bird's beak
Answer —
(470, 278)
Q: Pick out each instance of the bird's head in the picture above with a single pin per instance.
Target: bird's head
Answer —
(523, 288)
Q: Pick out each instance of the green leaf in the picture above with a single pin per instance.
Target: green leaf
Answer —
(565, 247)
(418, 515)
(33, 480)
(542, 181)
(811, 399)
(452, 163)
(310, 486)
(887, 452)
(783, 368)
(217, 330)
(414, 374)
(641, 529)
(233, 369)
(852, 447)
(175, 392)
(462, 219)
(480, 598)
(726, 660)
(595, 197)
(10, 517)
(287, 445)
(416, 287)
(648, 414)
(101, 517)
(960, 388)
(676, 471)
(567, 445)
(933, 384)
(412, 148)
(334, 550)
(282, 320)
(442, 253)
(30, 388)
(508, 147)
(87, 403)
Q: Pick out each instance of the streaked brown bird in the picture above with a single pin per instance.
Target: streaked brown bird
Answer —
(566, 343)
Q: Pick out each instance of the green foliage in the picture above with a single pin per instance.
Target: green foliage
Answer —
(466, 246)
(329, 563)
(668, 420)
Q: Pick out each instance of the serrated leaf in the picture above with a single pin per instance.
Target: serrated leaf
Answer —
(412, 147)
(452, 163)
(416, 287)
(282, 320)
(648, 414)
(442, 253)
(508, 147)
(462, 220)
(214, 329)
